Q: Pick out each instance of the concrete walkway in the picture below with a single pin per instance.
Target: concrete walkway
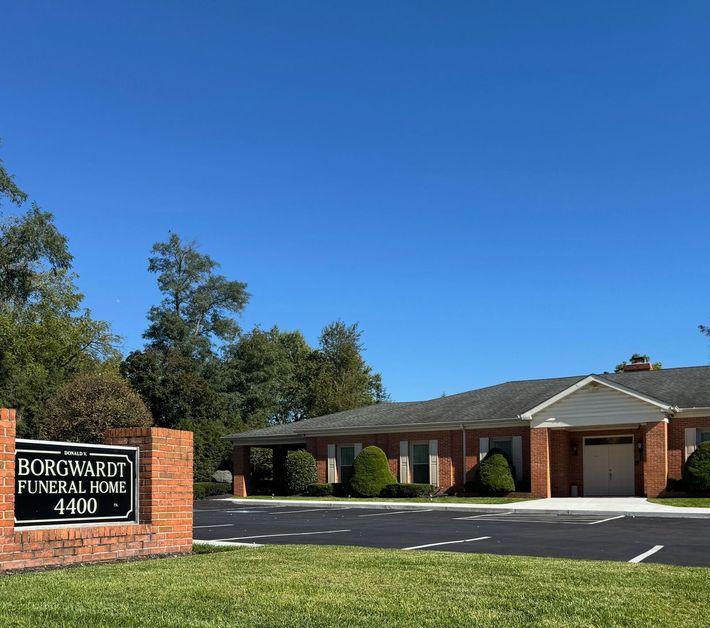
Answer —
(608, 506)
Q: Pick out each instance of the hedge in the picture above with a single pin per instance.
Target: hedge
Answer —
(408, 490)
(299, 471)
(371, 472)
(696, 471)
(201, 490)
(319, 489)
(494, 475)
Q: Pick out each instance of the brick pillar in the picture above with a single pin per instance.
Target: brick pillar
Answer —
(7, 472)
(241, 457)
(540, 462)
(655, 462)
(165, 487)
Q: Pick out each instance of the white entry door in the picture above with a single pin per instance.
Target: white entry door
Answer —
(608, 465)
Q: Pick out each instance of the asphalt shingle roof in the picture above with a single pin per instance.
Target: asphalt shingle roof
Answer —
(687, 387)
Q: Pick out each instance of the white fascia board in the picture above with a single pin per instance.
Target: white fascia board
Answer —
(268, 441)
(692, 412)
(603, 382)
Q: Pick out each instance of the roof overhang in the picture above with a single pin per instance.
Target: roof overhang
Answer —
(604, 382)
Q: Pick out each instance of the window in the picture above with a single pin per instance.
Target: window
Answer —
(702, 436)
(346, 454)
(420, 463)
(506, 444)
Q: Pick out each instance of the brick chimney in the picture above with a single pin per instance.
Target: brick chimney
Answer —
(638, 363)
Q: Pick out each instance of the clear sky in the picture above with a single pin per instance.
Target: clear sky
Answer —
(494, 190)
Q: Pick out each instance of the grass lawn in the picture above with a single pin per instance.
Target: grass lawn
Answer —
(420, 500)
(684, 502)
(342, 586)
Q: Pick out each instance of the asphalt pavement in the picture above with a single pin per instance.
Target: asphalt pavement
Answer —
(589, 536)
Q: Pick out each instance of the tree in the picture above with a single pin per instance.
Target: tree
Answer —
(704, 329)
(198, 305)
(46, 336)
(9, 189)
(371, 472)
(338, 376)
(266, 370)
(82, 409)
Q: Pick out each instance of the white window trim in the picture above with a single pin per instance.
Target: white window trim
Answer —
(338, 447)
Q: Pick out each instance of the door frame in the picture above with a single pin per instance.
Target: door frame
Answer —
(633, 459)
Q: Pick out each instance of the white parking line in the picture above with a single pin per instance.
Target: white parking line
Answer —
(480, 538)
(605, 520)
(265, 536)
(397, 512)
(640, 557)
(293, 512)
(216, 525)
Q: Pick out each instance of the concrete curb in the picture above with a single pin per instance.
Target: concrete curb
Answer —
(224, 543)
(677, 513)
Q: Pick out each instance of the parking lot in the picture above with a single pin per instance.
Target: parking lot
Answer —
(628, 539)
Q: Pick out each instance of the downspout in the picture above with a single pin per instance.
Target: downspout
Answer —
(463, 467)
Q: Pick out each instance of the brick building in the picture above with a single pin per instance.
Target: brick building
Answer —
(625, 433)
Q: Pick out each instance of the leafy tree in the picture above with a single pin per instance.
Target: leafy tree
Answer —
(299, 471)
(198, 305)
(704, 329)
(338, 376)
(46, 337)
(82, 409)
(9, 189)
(266, 369)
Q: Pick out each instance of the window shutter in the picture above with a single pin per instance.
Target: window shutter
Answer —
(357, 448)
(434, 462)
(332, 465)
(691, 442)
(518, 457)
(404, 461)
(482, 448)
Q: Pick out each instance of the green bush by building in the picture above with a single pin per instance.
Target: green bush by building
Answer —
(495, 474)
(371, 472)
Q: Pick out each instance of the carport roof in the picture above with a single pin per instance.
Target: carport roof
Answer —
(687, 387)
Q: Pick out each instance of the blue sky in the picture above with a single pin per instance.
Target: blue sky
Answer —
(493, 190)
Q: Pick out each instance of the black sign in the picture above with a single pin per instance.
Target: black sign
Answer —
(72, 483)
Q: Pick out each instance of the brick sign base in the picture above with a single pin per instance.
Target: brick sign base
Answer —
(165, 498)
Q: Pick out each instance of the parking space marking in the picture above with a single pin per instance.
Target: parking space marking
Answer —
(396, 512)
(293, 512)
(216, 525)
(265, 536)
(480, 538)
(519, 517)
(640, 557)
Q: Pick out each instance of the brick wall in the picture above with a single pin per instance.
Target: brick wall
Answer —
(165, 497)
(540, 485)
(676, 442)
(473, 445)
(655, 464)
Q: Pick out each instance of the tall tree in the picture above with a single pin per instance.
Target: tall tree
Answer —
(179, 372)
(46, 336)
(339, 378)
(198, 306)
(266, 369)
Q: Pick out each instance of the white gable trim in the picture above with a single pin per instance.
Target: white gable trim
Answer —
(585, 382)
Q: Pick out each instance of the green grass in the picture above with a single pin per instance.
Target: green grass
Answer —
(683, 502)
(420, 500)
(342, 586)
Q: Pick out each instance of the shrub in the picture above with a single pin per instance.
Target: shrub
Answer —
(201, 490)
(408, 490)
(299, 471)
(371, 472)
(696, 471)
(85, 407)
(494, 475)
(319, 490)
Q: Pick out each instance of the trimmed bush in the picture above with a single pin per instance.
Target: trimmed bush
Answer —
(299, 471)
(696, 471)
(371, 472)
(494, 475)
(201, 490)
(319, 490)
(408, 490)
